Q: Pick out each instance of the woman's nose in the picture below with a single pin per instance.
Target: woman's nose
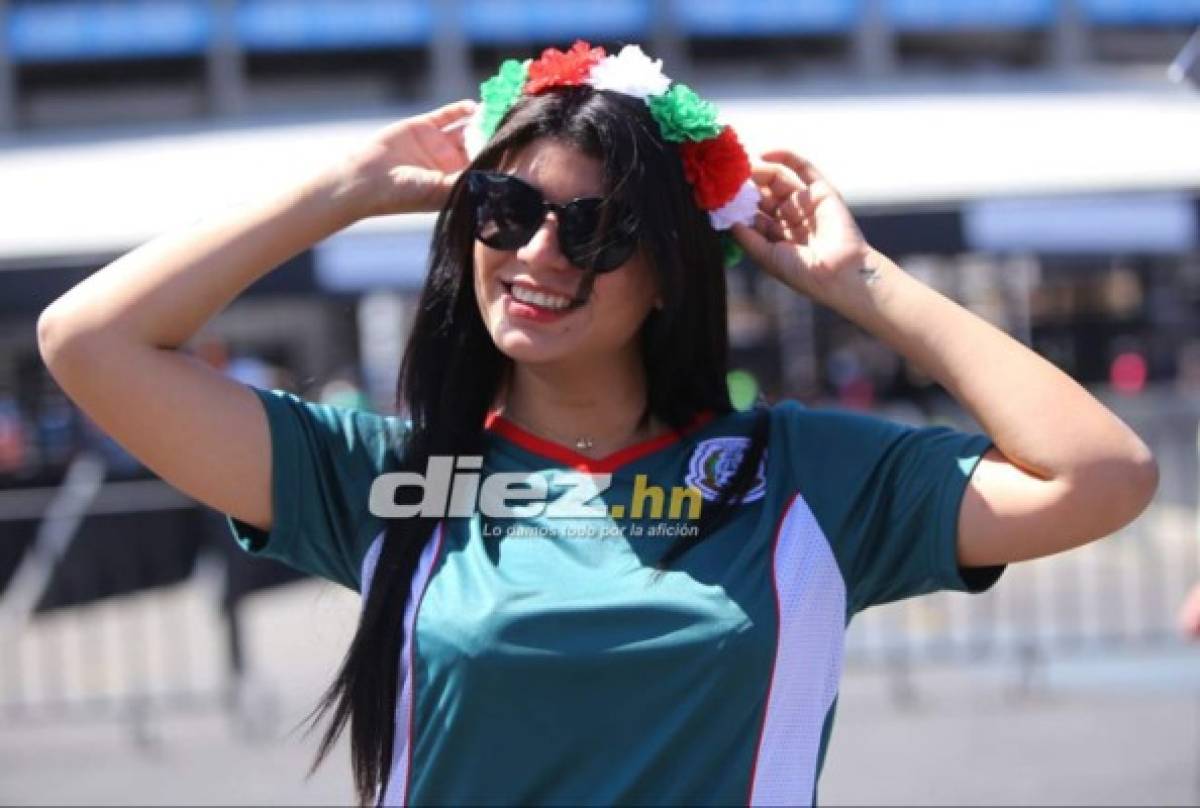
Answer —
(543, 248)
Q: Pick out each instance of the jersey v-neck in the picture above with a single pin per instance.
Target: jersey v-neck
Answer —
(497, 424)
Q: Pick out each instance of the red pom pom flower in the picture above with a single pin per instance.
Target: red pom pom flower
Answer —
(556, 68)
(716, 168)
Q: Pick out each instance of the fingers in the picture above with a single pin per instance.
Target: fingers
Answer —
(780, 182)
(453, 148)
(777, 182)
(447, 152)
(785, 197)
(770, 252)
(448, 114)
(770, 228)
(793, 212)
(452, 151)
(753, 242)
(801, 167)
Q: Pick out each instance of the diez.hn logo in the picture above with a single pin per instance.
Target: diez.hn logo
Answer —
(458, 488)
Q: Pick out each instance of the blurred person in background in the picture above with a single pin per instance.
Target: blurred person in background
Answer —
(574, 318)
(1189, 614)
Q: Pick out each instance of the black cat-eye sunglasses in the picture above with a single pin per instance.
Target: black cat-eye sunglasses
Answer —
(593, 233)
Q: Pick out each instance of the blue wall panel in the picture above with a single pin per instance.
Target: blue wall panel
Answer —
(950, 15)
(765, 17)
(558, 21)
(73, 31)
(1141, 12)
(297, 25)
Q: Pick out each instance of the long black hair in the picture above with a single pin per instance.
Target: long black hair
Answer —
(452, 372)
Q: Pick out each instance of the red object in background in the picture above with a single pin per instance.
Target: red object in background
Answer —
(1127, 374)
(857, 393)
(12, 444)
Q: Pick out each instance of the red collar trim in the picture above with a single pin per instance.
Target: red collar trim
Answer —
(497, 423)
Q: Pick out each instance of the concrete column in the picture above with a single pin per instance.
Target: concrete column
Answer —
(874, 42)
(8, 77)
(451, 68)
(1069, 49)
(666, 42)
(226, 70)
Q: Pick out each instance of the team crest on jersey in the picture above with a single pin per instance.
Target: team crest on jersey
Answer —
(714, 462)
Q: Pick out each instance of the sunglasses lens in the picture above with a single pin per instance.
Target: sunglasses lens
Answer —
(597, 236)
(593, 235)
(507, 212)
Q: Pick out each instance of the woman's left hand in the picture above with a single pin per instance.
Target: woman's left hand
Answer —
(804, 233)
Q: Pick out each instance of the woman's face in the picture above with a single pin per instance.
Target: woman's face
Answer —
(602, 327)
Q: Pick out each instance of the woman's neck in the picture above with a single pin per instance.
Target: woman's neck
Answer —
(598, 403)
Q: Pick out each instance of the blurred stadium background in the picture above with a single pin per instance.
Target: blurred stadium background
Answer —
(1029, 158)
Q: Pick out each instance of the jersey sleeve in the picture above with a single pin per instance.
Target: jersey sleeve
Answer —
(323, 462)
(886, 495)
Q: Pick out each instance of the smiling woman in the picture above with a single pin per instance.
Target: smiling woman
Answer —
(531, 298)
(573, 326)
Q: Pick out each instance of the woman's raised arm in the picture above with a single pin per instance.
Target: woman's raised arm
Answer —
(1065, 470)
(111, 342)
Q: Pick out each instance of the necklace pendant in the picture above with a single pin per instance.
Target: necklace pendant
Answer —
(583, 444)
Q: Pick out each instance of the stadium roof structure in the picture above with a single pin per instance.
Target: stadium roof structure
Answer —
(108, 194)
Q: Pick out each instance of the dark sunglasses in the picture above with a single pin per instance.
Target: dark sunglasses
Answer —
(593, 233)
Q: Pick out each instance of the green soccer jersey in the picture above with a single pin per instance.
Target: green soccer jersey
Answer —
(544, 662)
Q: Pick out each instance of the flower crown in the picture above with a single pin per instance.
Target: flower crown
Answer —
(714, 161)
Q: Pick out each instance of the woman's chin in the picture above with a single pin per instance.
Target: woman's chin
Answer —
(521, 346)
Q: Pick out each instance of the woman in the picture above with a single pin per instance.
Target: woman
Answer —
(682, 643)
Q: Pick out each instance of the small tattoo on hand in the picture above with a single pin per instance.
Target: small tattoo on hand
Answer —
(869, 274)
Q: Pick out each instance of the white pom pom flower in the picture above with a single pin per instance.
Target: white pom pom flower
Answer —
(473, 139)
(741, 208)
(631, 72)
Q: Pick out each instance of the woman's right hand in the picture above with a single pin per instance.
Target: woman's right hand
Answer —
(406, 167)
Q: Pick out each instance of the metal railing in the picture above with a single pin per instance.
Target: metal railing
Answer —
(71, 650)
(1117, 594)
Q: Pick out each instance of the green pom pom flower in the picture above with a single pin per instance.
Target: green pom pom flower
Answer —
(500, 92)
(733, 251)
(683, 115)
